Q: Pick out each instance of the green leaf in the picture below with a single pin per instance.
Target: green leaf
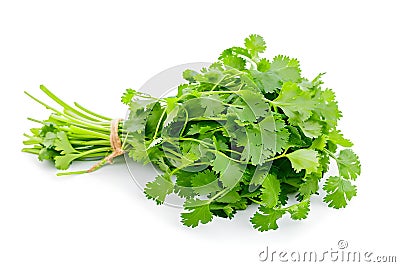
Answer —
(319, 143)
(139, 111)
(339, 192)
(64, 161)
(127, 96)
(327, 107)
(159, 188)
(304, 159)
(291, 98)
(235, 51)
(266, 219)
(230, 197)
(189, 75)
(255, 44)
(310, 185)
(183, 184)
(138, 149)
(234, 62)
(49, 139)
(205, 182)
(267, 82)
(213, 105)
(62, 144)
(47, 154)
(263, 65)
(200, 212)
(250, 106)
(337, 137)
(286, 68)
(299, 211)
(348, 164)
(311, 128)
(230, 171)
(270, 191)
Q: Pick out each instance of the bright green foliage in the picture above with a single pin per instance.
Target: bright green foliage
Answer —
(159, 188)
(340, 191)
(246, 130)
(348, 164)
(299, 211)
(270, 191)
(304, 159)
(266, 218)
(199, 212)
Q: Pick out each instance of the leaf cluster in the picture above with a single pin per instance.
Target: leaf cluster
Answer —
(245, 130)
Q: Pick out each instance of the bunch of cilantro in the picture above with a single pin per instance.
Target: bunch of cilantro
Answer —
(244, 131)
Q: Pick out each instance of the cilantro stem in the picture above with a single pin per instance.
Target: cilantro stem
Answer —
(255, 201)
(91, 112)
(78, 129)
(218, 83)
(63, 104)
(42, 103)
(80, 123)
(158, 125)
(223, 154)
(330, 154)
(223, 191)
(195, 140)
(278, 157)
(185, 124)
(220, 92)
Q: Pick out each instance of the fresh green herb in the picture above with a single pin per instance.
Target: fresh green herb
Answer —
(244, 131)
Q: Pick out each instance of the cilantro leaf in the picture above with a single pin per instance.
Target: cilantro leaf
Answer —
(234, 62)
(304, 159)
(49, 139)
(263, 65)
(310, 185)
(230, 171)
(230, 197)
(255, 44)
(64, 161)
(128, 95)
(213, 105)
(61, 143)
(327, 107)
(265, 219)
(300, 210)
(337, 137)
(286, 68)
(270, 191)
(199, 212)
(183, 184)
(291, 98)
(348, 164)
(339, 192)
(159, 188)
(311, 128)
(252, 105)
(205, 182)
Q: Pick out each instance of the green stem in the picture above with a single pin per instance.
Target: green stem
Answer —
(255, 201)
(158, 124)
(77, 129)
(63, 104)
(91, 112)
(278, 157)
(80, 123)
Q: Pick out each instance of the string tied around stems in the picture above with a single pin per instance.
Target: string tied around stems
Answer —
(116, 146)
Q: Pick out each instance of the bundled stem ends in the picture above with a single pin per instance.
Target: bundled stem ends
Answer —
(73, 133)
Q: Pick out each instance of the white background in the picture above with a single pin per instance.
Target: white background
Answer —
(91, 51)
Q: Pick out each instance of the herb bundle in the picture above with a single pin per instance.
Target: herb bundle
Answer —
(244, 131)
